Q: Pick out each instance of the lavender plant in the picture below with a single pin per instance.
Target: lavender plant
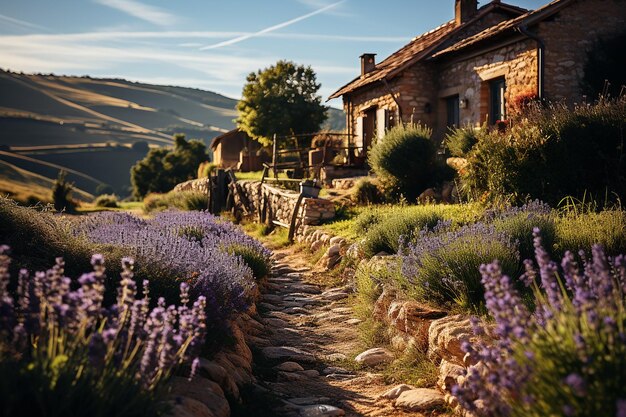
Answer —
(441, 265)
(191, 246)
(568, 357)
(62, 352)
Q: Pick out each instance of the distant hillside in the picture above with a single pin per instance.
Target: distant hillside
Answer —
(88, 125)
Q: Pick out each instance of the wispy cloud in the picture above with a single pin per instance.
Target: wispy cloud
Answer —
(102, 36)
(272, 28)
(21, 23)
(141, 11)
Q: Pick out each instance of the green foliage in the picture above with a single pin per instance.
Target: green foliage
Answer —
(449, 275)
(58, 380)
(404, 160)
(552, 153)
(460, 141)
(206, 168)
(385, 235)
(520, 228)
(183, 200)
(107, 200)
(281, 99)
(140, 146)
(259, 264)
(366, 191)
(62, 192)
(575, 231)
(570, 345)
(163, 168)
(104, 189)
(605, 64)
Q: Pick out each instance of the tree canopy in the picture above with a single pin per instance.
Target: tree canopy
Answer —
(163, 168)
(281, 100)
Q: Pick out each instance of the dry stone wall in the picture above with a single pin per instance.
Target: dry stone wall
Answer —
(278, 204)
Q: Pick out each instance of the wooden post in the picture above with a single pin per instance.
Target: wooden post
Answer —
(294, 218)
(220, 194)
(211, 193)
(274, 155)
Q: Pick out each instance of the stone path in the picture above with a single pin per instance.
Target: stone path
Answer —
(302, 359)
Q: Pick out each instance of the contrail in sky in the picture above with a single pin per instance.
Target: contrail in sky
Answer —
(271, 28)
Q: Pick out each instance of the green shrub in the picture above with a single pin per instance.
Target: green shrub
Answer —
(366, 220)
(442, 268)
(62, 193)
(460, 141)
(385, 236)
(404, 160)
(206, 168)
(552, 153)
(259, 264)
(366, 191)
(106, 200)
(575, 231)
(520, 227)
(183, 200)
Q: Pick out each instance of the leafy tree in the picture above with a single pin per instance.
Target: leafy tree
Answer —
(61, 193)
(163, 168)
(281, 100)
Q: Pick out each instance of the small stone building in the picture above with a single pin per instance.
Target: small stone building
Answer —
(475, 68)
(235, 149)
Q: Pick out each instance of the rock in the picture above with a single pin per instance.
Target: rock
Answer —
(315, 246)
(308, 400)
(337, 240)
(203, 390)
(310, 373)
(448, 374)
(333, 251)
(258, 342)
(290, 376)
(286, 353)
(353, 321)
(297, 310)
(289, 367)
(275, 322)
(373, 357)
(218, 374)
(354, 251)
(268, 306)
(272, 298)
(445, 337)
(188, 407)
(420, 399)
(430, 195)
(382, 304)
(335, 370)
(413, 318)
(340, 377)
(395, 392)
(335, 296)
(321, 410)
(335, 357)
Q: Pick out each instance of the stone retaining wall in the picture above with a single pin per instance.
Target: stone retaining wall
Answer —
(215, 388)
(200, 186)
(278, 204)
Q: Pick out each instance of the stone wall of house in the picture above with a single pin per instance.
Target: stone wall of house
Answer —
(278, 204)
(570, 36)
(469, 78)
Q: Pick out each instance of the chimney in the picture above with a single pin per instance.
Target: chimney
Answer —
(464, 10)
(368, 63)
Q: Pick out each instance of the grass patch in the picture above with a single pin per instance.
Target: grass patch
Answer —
(412, 367)
(184, 200)
(576, 230)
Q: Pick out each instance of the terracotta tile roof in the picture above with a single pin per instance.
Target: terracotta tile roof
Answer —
(407, 53)
(531, 17)
(419, 48)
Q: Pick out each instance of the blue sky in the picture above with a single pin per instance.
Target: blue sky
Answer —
(210, 44)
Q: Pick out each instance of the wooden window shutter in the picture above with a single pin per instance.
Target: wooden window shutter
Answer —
(381, 123)
(359, 132)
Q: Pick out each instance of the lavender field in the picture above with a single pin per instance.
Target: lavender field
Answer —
(102, 343)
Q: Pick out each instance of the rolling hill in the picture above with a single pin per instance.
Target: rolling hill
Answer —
(88, 126)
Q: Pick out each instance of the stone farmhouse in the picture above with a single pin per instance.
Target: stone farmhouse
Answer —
(473, 69)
